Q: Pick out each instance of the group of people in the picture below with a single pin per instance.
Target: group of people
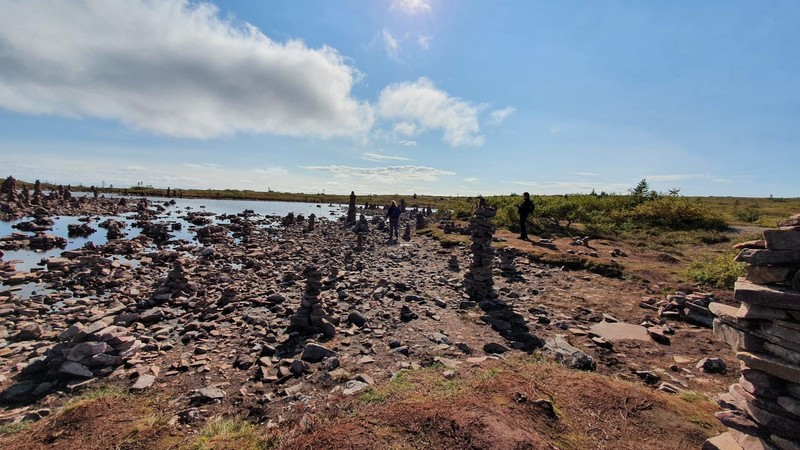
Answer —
(524, 210)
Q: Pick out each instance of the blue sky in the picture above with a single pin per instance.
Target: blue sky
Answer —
(403, 96)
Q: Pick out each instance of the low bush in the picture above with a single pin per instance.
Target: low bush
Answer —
(720, 271)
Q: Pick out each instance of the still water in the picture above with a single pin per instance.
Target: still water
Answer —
(25, 260)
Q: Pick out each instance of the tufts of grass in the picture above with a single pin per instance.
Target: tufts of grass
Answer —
(692, 396)
(11, 428)
(719, 271)
(371, 395)
(90, 395)
(231, 433)
(445, 240)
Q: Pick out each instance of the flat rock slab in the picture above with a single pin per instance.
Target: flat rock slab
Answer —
(768, 257)
(618, 331)
(755, 294)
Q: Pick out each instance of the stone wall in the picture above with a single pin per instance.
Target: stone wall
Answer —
(762, 410)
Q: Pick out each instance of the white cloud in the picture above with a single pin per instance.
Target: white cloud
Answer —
(390, 44)
(412, 7)
(405, 129)
(424, 42)
(202, 166)
(173, 67)
(429, 108)
(274, 171)
(587, 174)
(391, 174)
(498, 116)
(408, 143)
(472, 180)
(378, 157)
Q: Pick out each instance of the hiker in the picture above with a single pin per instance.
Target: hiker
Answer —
(393, 213)
(524, 209)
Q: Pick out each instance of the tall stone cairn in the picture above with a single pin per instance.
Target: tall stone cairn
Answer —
(37, 193)
(9, 189)
(478, 279)
(421, 222)
(763, 409)
(351, 209)
(407, 232)
(312, 313)
(311, 222)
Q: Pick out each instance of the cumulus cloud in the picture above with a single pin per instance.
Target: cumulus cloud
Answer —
(390, 44)
(498, 116)
(173, 67)
(420, 103)
(412, 7)
(379, 157)
(386, 174)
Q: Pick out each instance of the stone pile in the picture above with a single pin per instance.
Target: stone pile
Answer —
(212, 234)
(311, 222)
(82, 352)
(478, 280)
(421, 221)
(691, 308)
(175, 284)
(157, 231)
(452, 264)
(114, 229)
(407, 232)
(507, 267)
(312, 314)
(351, 210)
(9, 189)
(80, 230)
(288, 220)
(763, 409)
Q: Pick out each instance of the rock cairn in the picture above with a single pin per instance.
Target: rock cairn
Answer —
(763, 409)
(82, 352)
(361, 229)
(478, 280)
(9, 189)
(421, 221)
(312, 314)
(351, 209)
(407, 232)
(452, 264)
(288, 220)
(311, 222)
(176, 283)
(692, 308)
(37, 193)
(114, 229)
(507, 267)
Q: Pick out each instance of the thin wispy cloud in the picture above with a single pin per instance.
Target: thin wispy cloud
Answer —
(471, 180)
(498, 116)
(587, 174)
(389, 174)
(274, 171)
(380, 157)
(424, 42)
(390, 44)
(202, 166)
(408, 143)
(426, 107)
(412, 7)
(87, 60)
(563, 187)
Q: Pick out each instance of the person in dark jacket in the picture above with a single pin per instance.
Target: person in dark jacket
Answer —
(524, 209)
(393, 213)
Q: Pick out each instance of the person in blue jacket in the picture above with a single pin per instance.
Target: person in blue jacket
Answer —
(393, 213)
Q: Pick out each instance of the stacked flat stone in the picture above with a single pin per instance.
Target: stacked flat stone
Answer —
(37, 193)
(407, 232)
(763, 409)
(177, 283)
(312, 219)
(453, 263)
(478, 280)
(421, 222)
(507, 267)
(83, 351)
(312, 314)
(288, 220)
(9, 189)
(351, 209)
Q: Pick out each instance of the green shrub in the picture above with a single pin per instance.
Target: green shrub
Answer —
(719, 271)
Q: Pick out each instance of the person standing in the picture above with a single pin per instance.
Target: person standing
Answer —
(524, 209)
(393, 213)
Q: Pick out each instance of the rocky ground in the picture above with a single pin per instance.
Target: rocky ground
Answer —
(210, 327)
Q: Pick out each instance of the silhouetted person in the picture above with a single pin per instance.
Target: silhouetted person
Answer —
(393, 213)
(524, 209)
